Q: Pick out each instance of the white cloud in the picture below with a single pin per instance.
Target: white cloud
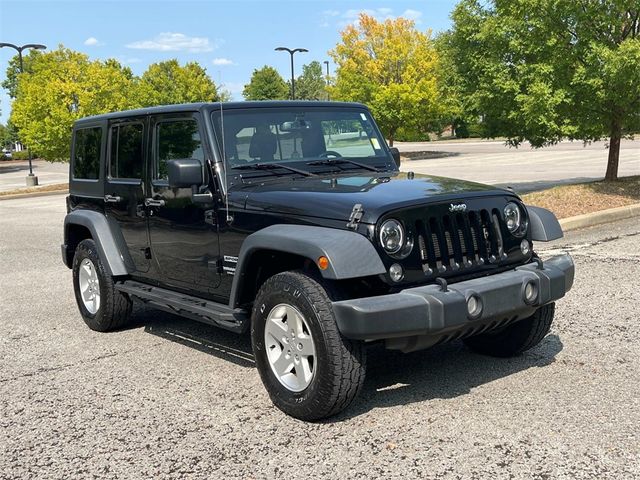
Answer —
(414, 15)
(221, 62)
(93, 42)
(176, 42)
(350, 16)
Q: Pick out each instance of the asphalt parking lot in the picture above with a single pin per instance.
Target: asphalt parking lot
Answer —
(169, 398)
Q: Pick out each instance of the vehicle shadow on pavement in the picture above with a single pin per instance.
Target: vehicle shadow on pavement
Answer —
(445, 371)
(393, 378)
(204, 338)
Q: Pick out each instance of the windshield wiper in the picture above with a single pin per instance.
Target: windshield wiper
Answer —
(338, 161)
(271, 166)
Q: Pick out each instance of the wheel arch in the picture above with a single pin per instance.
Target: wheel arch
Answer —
(82, 224)
(280, 248)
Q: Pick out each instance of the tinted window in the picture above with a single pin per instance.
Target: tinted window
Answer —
(86, 153)
(176, 139)
(126, 151)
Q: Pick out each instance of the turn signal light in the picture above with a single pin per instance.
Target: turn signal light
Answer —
(323, 263)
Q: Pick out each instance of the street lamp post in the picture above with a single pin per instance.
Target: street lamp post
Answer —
(326, 62)
(292, 52)
(32, 180)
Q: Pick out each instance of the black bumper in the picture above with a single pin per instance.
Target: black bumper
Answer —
(429, 310)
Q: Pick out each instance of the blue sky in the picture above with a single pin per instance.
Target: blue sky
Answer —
(229, 38)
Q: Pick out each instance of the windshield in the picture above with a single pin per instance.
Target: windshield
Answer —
(313, 139)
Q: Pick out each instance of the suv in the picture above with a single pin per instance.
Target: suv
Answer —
(292, 220)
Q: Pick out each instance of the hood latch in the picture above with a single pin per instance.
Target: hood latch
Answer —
(356, 216)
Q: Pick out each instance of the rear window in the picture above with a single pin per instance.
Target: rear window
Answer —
(126, 158)
(86, 153)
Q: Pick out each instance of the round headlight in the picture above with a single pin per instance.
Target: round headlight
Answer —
(391, 236)
(513, 219)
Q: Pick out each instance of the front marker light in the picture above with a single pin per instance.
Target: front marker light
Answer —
(396, 273)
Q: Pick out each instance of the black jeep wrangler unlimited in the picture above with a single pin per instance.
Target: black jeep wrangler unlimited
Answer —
(291, 219)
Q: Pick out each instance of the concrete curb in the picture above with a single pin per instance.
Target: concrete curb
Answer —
(33, 194)
(598, 218)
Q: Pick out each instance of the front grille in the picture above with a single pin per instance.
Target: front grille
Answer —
(459, 241)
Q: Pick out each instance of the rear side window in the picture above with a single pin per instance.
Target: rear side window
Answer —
(126, 159)
(86, 153)
(176, 139)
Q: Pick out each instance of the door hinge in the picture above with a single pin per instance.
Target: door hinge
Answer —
(356, 216)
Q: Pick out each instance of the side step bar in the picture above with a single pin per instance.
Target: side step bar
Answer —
(189, 306)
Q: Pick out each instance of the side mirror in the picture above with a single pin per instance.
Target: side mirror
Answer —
(395, 153)
(185, 173)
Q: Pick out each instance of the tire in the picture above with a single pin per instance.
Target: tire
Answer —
(337, 366)
(112, 309)
(517, 338)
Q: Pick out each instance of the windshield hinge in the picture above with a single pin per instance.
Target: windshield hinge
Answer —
(356, 216)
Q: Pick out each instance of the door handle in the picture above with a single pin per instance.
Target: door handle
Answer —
(112, 199)
(152, 202)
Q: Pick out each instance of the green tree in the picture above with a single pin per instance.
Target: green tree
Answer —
(61, 87)
(266, 84)
(546, 70)
(311, 85)
(13, 70)
(167, 83)
(392, 67)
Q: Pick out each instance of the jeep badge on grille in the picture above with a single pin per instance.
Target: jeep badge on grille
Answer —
(461, 207)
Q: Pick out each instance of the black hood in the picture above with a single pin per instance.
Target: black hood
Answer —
(333, 197)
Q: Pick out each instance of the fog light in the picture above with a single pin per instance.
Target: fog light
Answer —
(525, 248)
(530, 292)
(474, 306)
(396, 273)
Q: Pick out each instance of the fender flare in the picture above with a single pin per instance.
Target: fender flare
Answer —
(110, 243)
(350, 254)
(544, 224)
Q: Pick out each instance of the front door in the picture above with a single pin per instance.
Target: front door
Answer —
(183, 235)
(124, 187)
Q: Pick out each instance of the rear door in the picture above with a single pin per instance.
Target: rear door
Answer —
(124, 186)
(183, 235)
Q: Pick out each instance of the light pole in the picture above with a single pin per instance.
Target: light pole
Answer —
(32, 180)
(292, 52)
(326, 62)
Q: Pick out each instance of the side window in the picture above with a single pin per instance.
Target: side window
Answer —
(126, 158)
(176, 139)
(86, 153)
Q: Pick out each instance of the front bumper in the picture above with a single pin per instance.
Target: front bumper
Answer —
(430, 311)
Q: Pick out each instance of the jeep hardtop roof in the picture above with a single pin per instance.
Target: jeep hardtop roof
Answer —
(195, 107)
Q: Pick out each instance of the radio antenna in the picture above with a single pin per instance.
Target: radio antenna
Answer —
(224, 164)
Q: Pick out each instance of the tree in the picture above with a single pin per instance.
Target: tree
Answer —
(392, 67)
(311, 85)
(61, 87)
(13, 70)
(546, 70)
(266, 84)
(167, 83)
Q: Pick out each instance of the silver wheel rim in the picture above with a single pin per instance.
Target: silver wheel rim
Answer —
(290, 349)
(89, 286)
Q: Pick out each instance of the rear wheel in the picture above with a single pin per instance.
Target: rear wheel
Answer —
(102, 307)
(516, 338)
(309, 370)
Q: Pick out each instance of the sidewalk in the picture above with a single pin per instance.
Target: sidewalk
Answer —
(14, 172)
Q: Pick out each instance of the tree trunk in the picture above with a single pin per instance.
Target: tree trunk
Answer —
(614, 152)
(392, 133)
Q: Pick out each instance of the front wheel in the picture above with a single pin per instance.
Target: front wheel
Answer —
(516, 338)
(308, 368)
(102, 307)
